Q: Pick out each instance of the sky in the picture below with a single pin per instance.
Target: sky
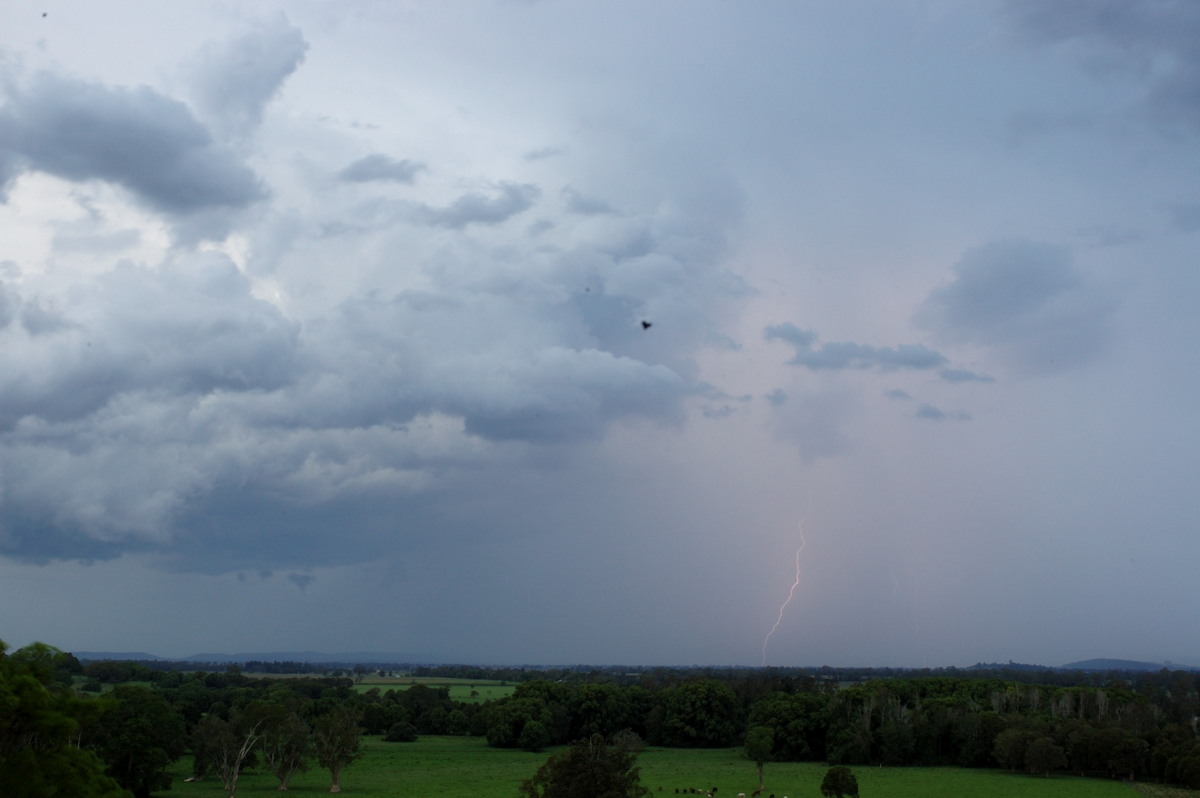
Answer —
(685, 332)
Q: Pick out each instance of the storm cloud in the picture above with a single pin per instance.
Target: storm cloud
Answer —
(476, 207)
(1153, 41)
(233, 80)
(479, 334)
(137, 138)
(839, 355)
(1025, 299)
(378, 166)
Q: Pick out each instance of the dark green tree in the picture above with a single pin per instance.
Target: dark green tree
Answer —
(839, 782)
(1043, 755)
(507, 717)
(224, 745)
(587, 769)
(285, 745)
(700, 714)
(337, 741)
(760, 740)
(1128, 757)
(138, 738)
(401, 732)
(534, 737)
(1009, 747)
(799, 722)
(40, 720)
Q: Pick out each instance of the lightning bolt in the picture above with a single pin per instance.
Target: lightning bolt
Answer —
(791, 593)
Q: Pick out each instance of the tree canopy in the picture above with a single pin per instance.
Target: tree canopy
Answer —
(39, 757)
(839, 782)
(587, 769)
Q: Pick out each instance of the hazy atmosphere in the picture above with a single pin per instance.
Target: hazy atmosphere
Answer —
(548, 332)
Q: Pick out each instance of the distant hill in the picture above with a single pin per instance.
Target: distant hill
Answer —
(340, 658)
(121, 656)
(380, 657)
(1007, 666)
(1118, 665)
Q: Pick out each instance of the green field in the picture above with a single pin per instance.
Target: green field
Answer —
(465, 767)
(468, 691)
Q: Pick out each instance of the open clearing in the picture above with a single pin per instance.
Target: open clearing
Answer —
(466, 767)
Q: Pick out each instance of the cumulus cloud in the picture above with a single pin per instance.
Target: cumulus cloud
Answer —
(378, 166)
(191, 328)
(1024, 299)
(234, 80)
(196, 421)
(343, 376)
(136, 138)
(836, 356)
(476, 207)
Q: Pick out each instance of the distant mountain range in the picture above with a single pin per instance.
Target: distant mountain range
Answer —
(263, 656)
(395, 658)
(1123, 665)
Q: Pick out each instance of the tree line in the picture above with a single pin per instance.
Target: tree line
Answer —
(1146, 728)
(115, 728)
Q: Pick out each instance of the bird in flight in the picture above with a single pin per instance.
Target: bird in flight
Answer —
(646, 325)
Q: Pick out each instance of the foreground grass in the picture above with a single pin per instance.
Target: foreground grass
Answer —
(1164, 791)
(465, 767)
(665, 769)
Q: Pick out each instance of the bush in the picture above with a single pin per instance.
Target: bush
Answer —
(402, 732)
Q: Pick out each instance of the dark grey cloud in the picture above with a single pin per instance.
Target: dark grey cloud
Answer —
(836, 356)
(964, 375)
(475, 207)
(191, 328)
(234, 80)
(378, 166)
(929, 412)
(1184, 217)
(422, 351)
(301, 580)
(583, 204)
(211, 429)
(198, 423)
(1153, 40)
(1026, 299)
(31, 314)
(136, 138)
(543, 153)
(10, 304)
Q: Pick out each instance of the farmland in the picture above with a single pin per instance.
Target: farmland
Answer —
(468, 691)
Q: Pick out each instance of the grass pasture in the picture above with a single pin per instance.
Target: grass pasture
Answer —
(731, 772)
(465, 767)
